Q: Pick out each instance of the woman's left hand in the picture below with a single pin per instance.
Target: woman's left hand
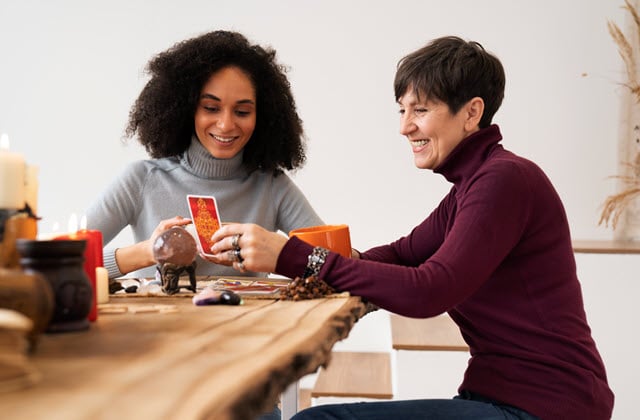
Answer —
(246, 247)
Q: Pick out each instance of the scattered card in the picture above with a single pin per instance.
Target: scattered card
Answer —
(266, 288)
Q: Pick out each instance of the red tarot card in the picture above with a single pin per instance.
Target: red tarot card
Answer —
(204, 213)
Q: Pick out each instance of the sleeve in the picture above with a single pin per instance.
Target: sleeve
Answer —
(293, 209)
(293, 258)
(487, 222)
(116, 207)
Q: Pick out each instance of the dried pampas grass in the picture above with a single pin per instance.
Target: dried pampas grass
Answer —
(615, 204)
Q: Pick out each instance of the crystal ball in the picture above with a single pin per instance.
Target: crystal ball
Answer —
(175, 246)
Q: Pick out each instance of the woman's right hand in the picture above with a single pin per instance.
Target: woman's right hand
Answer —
(140, 255)
(163, 226)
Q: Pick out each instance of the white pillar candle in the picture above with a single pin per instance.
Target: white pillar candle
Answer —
(12, 177)
(102, 285)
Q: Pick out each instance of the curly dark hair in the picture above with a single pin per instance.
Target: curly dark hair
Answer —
(163, 114)
(452, 70)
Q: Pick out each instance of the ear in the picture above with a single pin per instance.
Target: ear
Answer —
(474, 110)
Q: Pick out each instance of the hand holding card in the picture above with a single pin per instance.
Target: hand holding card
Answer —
(204, 213)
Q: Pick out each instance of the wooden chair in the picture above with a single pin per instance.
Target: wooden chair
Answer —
(355, 374)
(438, 333)
(430, 356)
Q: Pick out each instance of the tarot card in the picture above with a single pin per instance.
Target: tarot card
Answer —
(205, 216)
(254, 288)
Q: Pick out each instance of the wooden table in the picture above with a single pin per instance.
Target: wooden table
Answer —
(219, 362)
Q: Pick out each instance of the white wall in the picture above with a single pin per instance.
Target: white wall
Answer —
(69, 71)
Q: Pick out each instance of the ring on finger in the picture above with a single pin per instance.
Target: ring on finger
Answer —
(237, 255)
(234, 241)
(233, 255)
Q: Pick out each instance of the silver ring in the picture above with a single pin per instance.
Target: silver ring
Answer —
(234, 255)
(234, 241)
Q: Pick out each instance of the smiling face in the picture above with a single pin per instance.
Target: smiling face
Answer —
(432, 130)
(226, 113)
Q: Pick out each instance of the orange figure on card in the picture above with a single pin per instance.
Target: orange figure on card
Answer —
(204, 213)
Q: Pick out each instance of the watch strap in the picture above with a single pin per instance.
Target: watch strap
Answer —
(315, 261)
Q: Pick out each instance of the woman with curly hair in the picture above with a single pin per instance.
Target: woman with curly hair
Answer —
(217, 118)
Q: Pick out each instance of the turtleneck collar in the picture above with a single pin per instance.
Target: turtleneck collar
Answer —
(198, 161)
(469, 154)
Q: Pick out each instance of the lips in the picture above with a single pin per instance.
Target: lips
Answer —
(418, 146)
(419, 143)
(224, 139)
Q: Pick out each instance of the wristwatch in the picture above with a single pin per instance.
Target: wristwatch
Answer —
(315, 261)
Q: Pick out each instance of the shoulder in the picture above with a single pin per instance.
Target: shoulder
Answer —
(505, 175)
(509, 168)
(269, 179)
(282, 179)
(285, 185)
(163, 164)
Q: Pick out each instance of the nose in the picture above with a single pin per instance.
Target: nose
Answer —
(225, 121)
(406, 124)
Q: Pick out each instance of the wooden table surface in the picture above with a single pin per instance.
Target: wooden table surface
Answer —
(220, 362)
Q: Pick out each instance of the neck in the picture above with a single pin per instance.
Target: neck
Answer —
(197, 160)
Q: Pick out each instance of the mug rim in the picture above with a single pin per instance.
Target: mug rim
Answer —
(318, 229)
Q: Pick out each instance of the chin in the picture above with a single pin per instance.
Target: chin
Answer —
(420, 164)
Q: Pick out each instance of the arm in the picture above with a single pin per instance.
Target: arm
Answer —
(489, 220)
(119, 206)
(140, 255)
(116, 208)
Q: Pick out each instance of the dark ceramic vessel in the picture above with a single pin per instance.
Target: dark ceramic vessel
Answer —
(29, 294)
(61, 264)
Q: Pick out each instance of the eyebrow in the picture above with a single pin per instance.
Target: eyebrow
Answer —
(215, 98)
(411, 103)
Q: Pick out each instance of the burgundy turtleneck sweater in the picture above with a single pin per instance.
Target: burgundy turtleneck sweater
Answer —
(496, 255)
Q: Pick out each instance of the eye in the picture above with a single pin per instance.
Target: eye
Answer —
(401, 111)
(243, 113)
(210, 108)
(420, 111)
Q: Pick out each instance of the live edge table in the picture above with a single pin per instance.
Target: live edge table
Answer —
(187, 362)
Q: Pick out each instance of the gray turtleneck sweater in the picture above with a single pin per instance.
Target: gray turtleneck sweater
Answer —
(149, 191)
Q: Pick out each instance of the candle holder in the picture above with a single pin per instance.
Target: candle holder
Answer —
(5, 244)
(61, 264)
(15, 224)
(175, 250)
(29, 294)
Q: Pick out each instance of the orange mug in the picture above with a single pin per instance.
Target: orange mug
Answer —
(336, 238)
